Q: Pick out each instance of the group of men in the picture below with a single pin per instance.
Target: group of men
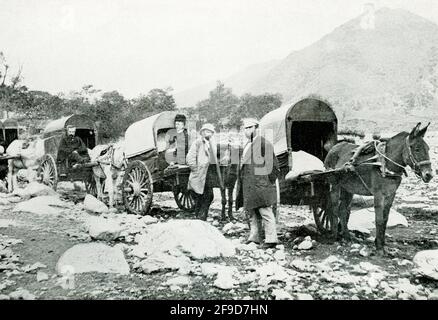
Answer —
(258, 171)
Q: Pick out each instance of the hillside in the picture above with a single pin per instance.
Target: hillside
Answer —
(385, 72)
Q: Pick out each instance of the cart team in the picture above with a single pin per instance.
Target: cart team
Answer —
(258, 172)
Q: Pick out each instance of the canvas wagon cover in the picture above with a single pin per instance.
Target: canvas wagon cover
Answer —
(141, 136)
(10, 124)
(273, 124)
(80, 121)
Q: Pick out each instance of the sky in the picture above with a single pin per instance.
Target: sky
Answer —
(133, 46)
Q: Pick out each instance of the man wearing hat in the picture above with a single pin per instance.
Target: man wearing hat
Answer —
(201, 154)
(179, 142)
(256, 190)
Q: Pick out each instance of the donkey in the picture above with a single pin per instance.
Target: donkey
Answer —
(228, 159)
(366, 178)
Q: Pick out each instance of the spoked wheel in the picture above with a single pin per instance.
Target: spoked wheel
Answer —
(325, 220)
(184, 198)
(137, 189)
(48, 171)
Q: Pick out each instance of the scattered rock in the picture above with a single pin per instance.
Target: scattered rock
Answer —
(4, 223)
(433, 295)
(21, 294)
(364, 252)
(94, 205)
(302, 265)
(281, 294)
(225, 280)
(163, 262)
(363, 220)
(303, 296)
(194, 238)
(30, 268)
(178, 281)
(42, 276)
(92, 257)
(34, 189)
(234, 228)
(426, 263)
(148, 220)
(103, 229)
(306, 244)
(211, 269)
(279, 255)
(50, 205)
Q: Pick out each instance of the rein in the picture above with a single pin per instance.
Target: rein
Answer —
(416, 164)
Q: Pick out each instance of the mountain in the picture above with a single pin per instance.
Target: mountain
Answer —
(380, 66)
(239, 82)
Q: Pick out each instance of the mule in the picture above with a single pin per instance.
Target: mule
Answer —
(228, 159)
(107, 174)
(366, 178)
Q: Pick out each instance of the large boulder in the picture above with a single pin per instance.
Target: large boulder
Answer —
(50, 205)
(363, 220)
(34, 189)
(194, 238)
(93, 257)
(94, 205)
(100, 228)
(163, 262)
(426, 263)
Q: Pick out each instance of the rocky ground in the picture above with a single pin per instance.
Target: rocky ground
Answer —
(58, 246)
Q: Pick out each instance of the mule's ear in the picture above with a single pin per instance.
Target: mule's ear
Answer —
(422, 132)
(414, 131)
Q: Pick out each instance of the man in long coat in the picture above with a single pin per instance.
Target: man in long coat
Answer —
(256, 190)
(200, 159)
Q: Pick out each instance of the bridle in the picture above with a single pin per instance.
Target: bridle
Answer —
(416, 165)
(108, 158)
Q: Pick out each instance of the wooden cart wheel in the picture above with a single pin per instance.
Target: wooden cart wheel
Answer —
(325, 220)
(48, 171)
(137, 188)
(184, 198)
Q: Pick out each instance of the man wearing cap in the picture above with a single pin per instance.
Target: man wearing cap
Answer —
(201, 178)
(179, 142)
(256, 190)
(71, 148)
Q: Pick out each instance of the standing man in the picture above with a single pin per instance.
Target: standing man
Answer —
(202, 174)
(256, 190)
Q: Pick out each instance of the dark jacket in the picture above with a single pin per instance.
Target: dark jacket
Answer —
(68, 144)
(182, 146)
(258, 172)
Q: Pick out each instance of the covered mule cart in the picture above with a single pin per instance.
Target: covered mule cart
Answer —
(49, 168)
(308, 126)
(10, 130)
(149, 170)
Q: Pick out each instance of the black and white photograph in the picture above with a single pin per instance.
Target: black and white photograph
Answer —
(235, 152)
